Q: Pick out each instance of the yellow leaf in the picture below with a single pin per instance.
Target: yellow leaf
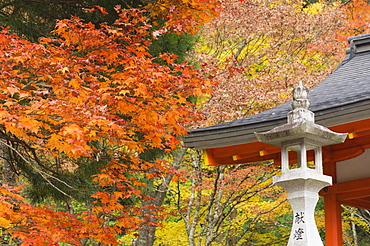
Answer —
(4, 222)
(64, 70)
(74, 83)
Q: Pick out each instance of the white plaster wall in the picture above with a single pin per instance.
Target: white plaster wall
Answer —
(355, 168)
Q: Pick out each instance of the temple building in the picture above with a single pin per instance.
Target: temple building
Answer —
(340, 104)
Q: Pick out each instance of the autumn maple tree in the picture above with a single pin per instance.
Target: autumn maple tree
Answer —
(357, 18)
(263, 48)
(91, 96)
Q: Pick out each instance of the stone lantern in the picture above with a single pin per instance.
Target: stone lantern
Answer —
(303, 182)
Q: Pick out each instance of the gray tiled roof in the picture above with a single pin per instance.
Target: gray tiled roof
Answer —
(342, 97)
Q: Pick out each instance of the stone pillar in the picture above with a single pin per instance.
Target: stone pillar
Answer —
(302, 187)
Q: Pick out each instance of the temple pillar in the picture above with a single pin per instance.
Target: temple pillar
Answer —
(333, 221)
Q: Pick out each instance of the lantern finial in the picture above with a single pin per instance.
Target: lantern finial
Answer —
(300, 97)
(300, 105)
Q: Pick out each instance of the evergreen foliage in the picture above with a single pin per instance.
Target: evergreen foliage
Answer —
(34, 19)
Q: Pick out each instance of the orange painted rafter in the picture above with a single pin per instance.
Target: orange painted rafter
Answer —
(356, 194)
(244, 150)
(357, 128)
(346, 153)
(243, 153)
(349, 149)
(358, 203)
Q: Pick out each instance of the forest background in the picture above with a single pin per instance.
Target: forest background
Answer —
(96, 97)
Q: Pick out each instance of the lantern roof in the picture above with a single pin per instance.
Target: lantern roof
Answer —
(301, 125)
(343, 97)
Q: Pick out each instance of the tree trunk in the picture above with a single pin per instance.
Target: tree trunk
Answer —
(195, 200)
(354, 233)
(8, 174)
(147, 233)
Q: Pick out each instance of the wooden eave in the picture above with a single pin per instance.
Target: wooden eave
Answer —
(359, 139)
(244, 134)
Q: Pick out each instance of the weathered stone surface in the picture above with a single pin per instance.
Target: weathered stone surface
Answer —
(300, 97)
(302, 187)
(314, 133)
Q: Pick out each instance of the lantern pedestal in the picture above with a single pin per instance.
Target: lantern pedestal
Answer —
(302, 187)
